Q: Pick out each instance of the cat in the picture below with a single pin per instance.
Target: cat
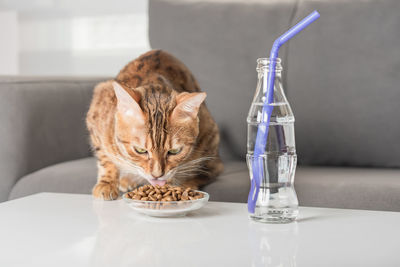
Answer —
(151, 125)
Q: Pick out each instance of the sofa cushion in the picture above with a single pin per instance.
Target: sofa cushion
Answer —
(355, 188)
(79, 176)
(345, 95)
(341, 74)
(350, 188)
(232, 185)
(220, 42)
(76, 176)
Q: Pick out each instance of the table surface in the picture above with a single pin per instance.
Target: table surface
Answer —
(74, 230)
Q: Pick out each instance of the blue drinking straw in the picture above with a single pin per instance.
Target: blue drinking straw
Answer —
(262, 133)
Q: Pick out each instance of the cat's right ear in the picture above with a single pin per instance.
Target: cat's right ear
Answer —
(128, 102)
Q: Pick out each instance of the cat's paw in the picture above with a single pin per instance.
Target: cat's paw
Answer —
(126, 184)
(105, 191)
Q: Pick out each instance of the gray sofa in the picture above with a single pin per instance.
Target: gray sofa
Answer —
(341, 76)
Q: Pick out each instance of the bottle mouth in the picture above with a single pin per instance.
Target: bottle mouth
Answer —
(264, 63)
(266, 60)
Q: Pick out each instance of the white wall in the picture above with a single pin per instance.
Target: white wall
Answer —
(8, 43)
(59, 37)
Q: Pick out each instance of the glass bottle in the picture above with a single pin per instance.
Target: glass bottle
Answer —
(277, 200)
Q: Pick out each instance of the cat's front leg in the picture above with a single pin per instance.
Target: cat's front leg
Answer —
(107, 179)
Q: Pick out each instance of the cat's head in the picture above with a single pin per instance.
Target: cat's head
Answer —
(156, 129)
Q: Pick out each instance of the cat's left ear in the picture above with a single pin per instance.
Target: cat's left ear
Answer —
(188, 105)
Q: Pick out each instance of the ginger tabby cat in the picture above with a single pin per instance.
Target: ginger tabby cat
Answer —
(150, 125)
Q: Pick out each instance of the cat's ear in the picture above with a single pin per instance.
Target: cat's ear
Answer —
(128, 102)
(187, 105)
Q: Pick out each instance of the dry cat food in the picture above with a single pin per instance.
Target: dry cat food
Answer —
(164, 193)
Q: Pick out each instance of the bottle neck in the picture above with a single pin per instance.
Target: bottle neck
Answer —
(263, 67)
(264, 64)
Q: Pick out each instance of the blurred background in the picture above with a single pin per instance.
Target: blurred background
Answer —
(62, 37)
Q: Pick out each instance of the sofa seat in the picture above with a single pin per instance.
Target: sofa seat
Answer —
(356, 188)
(76, 176)
(79, 176)
(331, 187)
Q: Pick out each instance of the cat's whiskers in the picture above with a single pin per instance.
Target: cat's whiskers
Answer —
(189, 169)
(177, 175)
(125, 164)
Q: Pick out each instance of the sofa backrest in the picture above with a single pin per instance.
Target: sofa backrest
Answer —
(42, 123)
(343, 82)
(220, 42)
(341, 74)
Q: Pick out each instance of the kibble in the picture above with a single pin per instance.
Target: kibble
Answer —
(164, 193)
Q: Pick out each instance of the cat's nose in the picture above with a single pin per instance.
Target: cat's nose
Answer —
(157, 171)
(157, 175)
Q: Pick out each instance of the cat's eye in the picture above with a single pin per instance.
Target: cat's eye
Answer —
(174, 151)
(140, 150)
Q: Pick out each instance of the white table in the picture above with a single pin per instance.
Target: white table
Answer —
(75, 230)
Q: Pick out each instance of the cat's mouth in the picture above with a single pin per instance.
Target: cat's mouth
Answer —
(157, 182)
(161, 180)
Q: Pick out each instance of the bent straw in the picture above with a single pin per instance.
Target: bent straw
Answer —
(262, 132)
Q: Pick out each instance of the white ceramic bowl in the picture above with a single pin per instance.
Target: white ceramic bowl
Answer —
(166, 208)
